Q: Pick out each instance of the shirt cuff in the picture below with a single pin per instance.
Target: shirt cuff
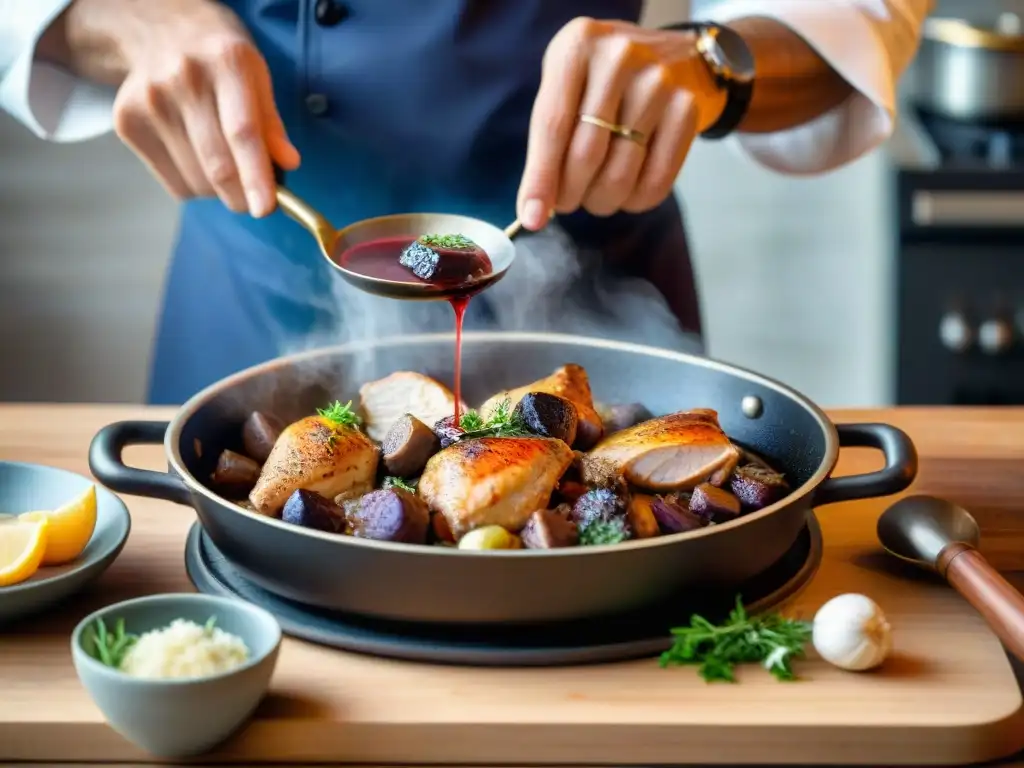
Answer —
(51, 102)
(840, 33)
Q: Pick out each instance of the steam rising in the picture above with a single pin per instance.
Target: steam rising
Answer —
(551, 286)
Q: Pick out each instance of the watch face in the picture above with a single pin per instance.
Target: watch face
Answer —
(730, 53)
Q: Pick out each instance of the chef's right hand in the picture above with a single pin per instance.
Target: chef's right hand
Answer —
(198, 107)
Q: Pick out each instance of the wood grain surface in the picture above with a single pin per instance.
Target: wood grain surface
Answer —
(947, 695)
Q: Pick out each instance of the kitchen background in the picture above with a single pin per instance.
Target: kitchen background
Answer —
(797, 276)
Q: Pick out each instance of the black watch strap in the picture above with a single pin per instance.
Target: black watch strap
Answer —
(731, 65)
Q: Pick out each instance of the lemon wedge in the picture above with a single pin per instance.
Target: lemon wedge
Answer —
(70, 527)
(22, 545)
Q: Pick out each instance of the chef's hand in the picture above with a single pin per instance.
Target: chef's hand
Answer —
(197, 105)
(648, 80)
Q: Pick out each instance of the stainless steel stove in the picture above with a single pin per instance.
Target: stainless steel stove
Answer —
(960, 261)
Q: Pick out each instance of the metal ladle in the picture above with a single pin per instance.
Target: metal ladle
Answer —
(938, 535)
(496, 243)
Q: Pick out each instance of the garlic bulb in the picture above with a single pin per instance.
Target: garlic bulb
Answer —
(850, 631)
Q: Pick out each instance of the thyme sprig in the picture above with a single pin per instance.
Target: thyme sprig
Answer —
(503, 422)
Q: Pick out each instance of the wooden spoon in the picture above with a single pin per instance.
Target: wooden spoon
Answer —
(938, 535)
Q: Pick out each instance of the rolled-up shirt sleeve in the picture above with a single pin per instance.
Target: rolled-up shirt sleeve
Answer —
(51, 102)
(869, 43)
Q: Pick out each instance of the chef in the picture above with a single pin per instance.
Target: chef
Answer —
(489, 108)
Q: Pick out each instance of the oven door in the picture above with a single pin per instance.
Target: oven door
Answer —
(960, 307)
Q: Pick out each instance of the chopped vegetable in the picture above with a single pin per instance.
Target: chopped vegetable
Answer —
(756, 487)
(109, 648)
(490, 537)
(771, 640)
(397, 482)
(311, 510)
(603, 532)
(390, 515)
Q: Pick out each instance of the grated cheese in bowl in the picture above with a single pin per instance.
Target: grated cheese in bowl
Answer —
(184, 649)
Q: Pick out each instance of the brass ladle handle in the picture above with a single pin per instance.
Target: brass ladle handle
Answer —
(310, 218)
(318, 225)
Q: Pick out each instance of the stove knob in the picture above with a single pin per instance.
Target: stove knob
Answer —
(955, 333)
(995, 336)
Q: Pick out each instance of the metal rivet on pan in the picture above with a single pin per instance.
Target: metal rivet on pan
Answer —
(752, 406)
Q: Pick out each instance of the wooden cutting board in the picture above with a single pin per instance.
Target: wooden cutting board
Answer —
(947, 696)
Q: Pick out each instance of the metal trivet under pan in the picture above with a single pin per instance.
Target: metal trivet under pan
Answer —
(628, 636)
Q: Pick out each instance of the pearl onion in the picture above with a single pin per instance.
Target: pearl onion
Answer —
(850, 631)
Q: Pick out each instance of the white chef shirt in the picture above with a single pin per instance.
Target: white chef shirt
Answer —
(868, 42)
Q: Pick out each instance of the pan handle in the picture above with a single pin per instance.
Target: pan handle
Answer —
(899, 471)
(108, 467)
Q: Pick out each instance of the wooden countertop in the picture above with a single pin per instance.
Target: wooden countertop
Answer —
(974, 456)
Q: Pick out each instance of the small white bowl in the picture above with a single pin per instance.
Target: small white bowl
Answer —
(184, 717)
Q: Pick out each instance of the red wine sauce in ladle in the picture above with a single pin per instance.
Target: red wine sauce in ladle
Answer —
(454, 266)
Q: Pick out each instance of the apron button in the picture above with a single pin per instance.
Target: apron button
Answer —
(317, 104)
(329, 12)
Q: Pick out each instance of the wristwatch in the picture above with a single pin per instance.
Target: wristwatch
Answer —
(731, 64)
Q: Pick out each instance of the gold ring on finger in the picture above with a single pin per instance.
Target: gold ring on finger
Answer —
(637, 137)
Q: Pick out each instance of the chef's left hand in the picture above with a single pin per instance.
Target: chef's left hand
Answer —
(648, 80)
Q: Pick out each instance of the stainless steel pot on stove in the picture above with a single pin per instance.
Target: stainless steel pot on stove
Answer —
(970, 71)
(439, 584)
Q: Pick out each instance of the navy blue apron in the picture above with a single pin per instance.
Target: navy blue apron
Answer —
(395, 106)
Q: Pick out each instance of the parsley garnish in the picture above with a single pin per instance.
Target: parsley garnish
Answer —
(110, 648)
(397, 482)
(340, 415)
(471, 421)
(447, 241)
(771, 640)
(504, 422)
(603, 532)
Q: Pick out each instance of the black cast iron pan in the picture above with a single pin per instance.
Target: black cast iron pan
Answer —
(436, 584)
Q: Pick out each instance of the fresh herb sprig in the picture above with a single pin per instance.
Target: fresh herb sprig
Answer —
(447, 241)
(504, 422)
(110, 648)
(398, 482)
(771, 640)
(340, 414)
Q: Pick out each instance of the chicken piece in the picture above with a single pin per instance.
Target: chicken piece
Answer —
(493, 480)
(314, 454)
(722, 474)
(386, 400)
(669, 453)
(569, 382)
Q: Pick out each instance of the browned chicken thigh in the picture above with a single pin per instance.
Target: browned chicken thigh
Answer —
(493, 480)
(315, 454)
(669, 453)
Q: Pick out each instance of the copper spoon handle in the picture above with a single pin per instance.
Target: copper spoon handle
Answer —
(1002, 606)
